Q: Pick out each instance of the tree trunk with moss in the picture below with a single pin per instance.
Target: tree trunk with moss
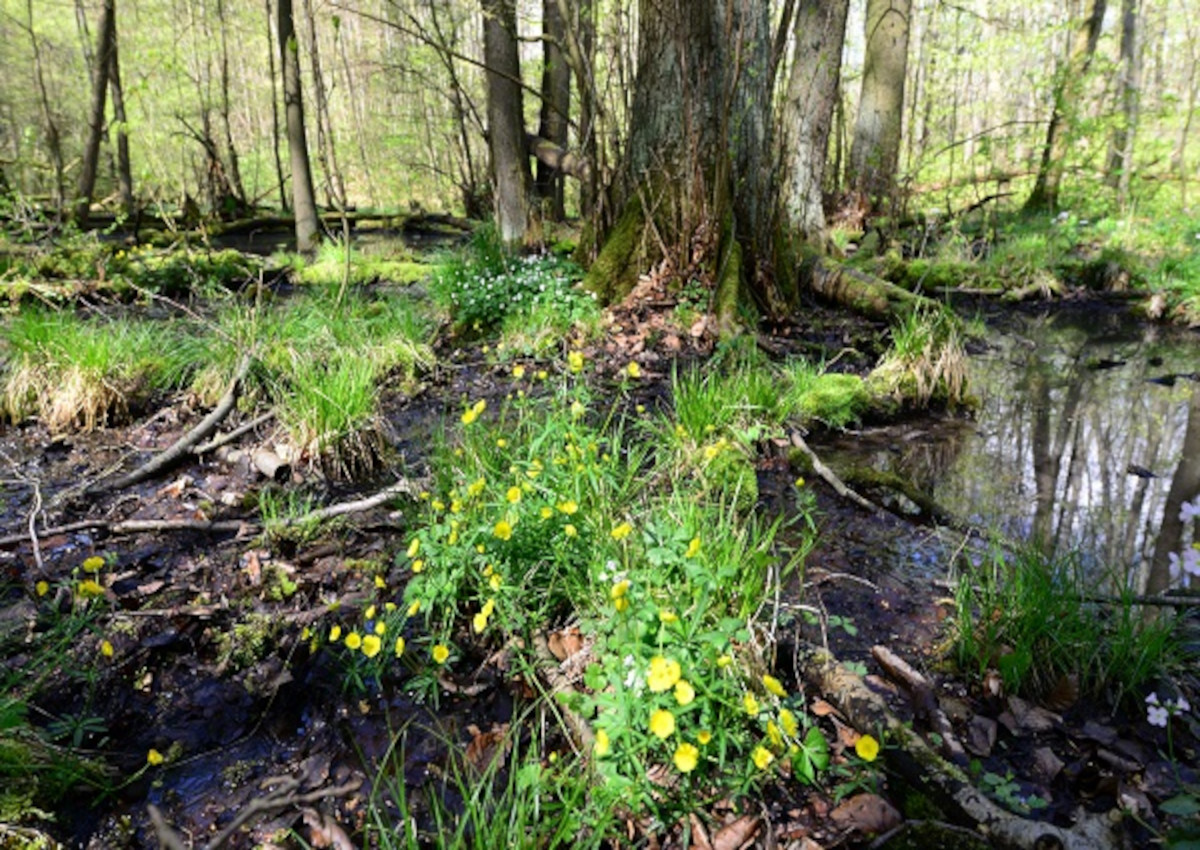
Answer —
(697, 166)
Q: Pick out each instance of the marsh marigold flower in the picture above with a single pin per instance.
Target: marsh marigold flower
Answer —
(440, 653)
(418, 565)
(106, 649)
(93, 564)
(570, 530)
(621, 531)
(684, 692)
(89, 589)
(788, 721)
(575, 361)
(371, 645)
(502, 530)
(602, 745)
(703, 736)
(662, 723)
(414, 547)
(399, 646)
(414, 608)
(750, 703)
(353, 640)
(686, 757)
(773, 686)
(335, 634)
(867, 748)
(154, 758)
(513, 495)
(41, 588)
(568, 507)
(693, 548)
(633, 370)
(762, 757)
(663, 674)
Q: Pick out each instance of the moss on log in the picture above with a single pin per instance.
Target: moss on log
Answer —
(615, 272)
(863, 293)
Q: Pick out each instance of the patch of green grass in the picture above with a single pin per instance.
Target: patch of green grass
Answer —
(1030, 617)
(75, 372)
(926, 360)
(331, 268)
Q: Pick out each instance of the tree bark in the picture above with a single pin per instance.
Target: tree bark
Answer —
(275, 139)
(1120, 161)
(1066, 92)
(1185, 485)
(53, 137)
(511, 178)
(820, 31)
(875, 150)
(124, 169)
(303, 200)
(91, 151)
(556, 106)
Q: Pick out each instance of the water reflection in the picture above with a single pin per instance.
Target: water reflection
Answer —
(1079, 443)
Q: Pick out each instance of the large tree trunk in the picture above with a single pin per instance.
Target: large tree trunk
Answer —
(699, 204)
(91, 150)
(511, 178)
(556, 105)
(820, 30)
(303, 200)
(1185, 486)
(124, 168)
(1120, 161)
(1067, 89)
(875, 151)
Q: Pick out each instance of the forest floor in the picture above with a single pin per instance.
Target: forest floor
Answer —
(203, 657)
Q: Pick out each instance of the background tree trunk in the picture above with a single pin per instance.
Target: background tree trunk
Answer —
(303, 200)
(511, 178)
(91, 151)
(124, 168)
(820, 31)
(1066, 92)
(1120, 160)
(50, 126)
(275, 135)
(556, 105)
(875, 150)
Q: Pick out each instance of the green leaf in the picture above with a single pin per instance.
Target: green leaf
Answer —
(1182, 805)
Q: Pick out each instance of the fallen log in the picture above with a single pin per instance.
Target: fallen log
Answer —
(918, 764)
(863, 293)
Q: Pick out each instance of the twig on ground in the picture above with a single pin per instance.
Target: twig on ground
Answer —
(831, 478)
(924, 700)
(225, 439)
(184, 445)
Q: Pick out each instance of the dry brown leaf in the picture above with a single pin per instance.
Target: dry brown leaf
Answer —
(737, 834)
(866, 813)
(820, 708)
(699, 833)
(565, 642)
(1064, 694)
(486, 747)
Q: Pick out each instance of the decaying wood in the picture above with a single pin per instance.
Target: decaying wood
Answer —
(923, 698)
(271, 465)
(182, 447)
(830, 476)
(222, 440)
(551, 672)
(865, 294)
(942, 782)
(558, 158)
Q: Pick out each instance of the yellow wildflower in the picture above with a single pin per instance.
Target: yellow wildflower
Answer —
(666, 615)
(724, 661)
(480, 620)
(469, 416)
(414, 547)
(602, 745)
(633, 370)
(389, 606)
(762, 757)
(774, 735)
(703, 736)
(575, 361)
(542, 374)
(693, 548)
(570, 530)
(106, 649)
(513, 495)
(476, 487)
(42, 588)
(501, 443)
(89, 588)
(379, 582)
(335, 634)
(773, 686)
(750, 703)
(381, 628)
(569, 507)
(788, 721)
(439, 505)
(662, 723)
(503, 530)
(799, 482)
(93, 564)
(414, 608)
(867, 748)
(577, 410)
(371, 645)
(480, 548)
(440, 653)
(684, 692)
(621, 531)
(495, 582)
(353, 640)
(154, 758)
(621, 604)
(518, 371)
(546, 512)
(663, 672)
(418, 565)
(619, 590)
(686, 757)
(369, 613)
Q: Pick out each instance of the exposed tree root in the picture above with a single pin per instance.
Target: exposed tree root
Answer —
(943, 782)
(923, 699)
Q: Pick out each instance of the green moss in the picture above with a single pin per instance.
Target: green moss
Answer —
(729, 288)
(615, 271)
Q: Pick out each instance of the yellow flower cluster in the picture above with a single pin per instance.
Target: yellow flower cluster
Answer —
(472, 413)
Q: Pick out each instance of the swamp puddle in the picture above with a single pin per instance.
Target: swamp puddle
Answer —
(1074, 447)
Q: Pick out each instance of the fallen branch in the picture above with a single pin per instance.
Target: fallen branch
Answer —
(225, 439)
(920, 766)
(831, 478)
(184, 445)
(923, 699)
